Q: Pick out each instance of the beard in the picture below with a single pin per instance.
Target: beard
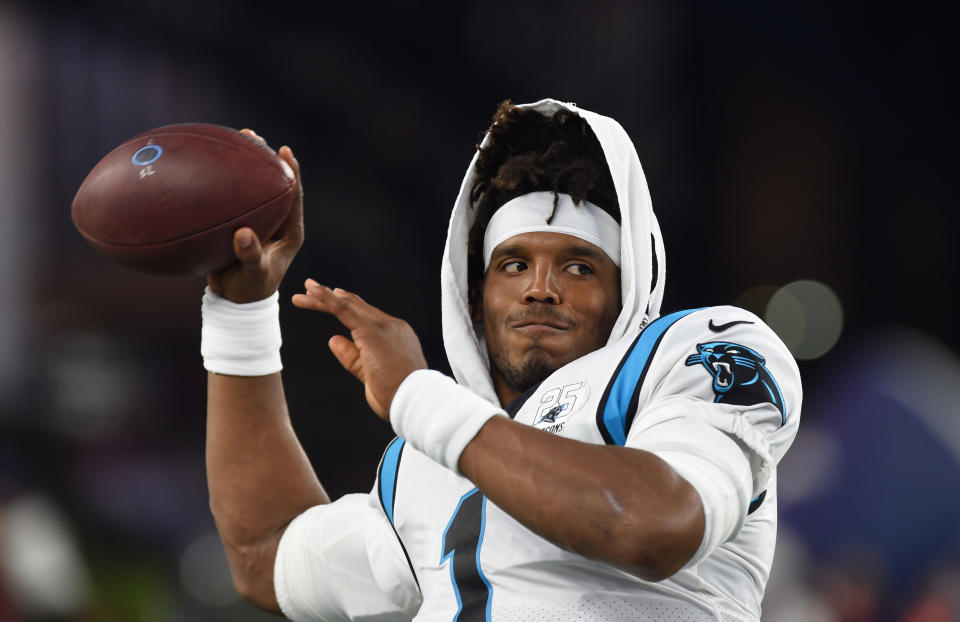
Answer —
(524, 374)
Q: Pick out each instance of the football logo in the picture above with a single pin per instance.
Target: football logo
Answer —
(739, 374)
(147, 155)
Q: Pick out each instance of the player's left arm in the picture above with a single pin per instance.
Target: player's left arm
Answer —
(622, 505)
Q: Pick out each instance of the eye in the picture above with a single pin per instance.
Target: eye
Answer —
(514, 266)
(580, 269)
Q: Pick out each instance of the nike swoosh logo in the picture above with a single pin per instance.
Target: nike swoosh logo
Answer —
(719, 328)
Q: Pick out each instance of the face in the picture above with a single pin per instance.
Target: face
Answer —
(547, 299)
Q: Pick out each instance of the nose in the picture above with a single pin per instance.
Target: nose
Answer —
(542, 285)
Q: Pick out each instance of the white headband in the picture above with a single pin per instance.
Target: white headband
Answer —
(528, 213)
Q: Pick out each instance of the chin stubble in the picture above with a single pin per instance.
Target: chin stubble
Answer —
(525, 374)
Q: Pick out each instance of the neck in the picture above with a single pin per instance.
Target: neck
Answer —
(505, 392)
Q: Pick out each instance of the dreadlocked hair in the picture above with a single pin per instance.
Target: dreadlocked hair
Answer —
(530, 152)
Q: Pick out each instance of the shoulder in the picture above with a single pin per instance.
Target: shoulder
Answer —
(693, 335)
(721, 339)
(727, 365)
(731, 351)
(716, 324)
(714, 354)
(722, 355)
(720, 366)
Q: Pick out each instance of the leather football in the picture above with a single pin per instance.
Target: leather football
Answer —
(168, 201)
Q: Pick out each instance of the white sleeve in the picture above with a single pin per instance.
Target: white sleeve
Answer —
(721, 405)
(740, 372)
(343, 561)
(709, 460)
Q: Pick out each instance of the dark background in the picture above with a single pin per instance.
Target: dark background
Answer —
(781, 142)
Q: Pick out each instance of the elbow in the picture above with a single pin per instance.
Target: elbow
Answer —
(658, 557)
(251, 556)
(654, 568)
(252, 571)
(659, 546)
(255, 590)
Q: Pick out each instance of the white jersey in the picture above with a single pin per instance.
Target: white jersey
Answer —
(712, 392)
(712, 385)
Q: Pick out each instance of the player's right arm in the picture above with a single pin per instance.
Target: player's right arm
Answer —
(258, 474)
(290, 549)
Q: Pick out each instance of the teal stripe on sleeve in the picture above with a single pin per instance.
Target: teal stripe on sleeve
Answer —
(618, 402)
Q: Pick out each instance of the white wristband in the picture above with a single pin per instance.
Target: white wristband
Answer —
(240, 339)
(437, 416)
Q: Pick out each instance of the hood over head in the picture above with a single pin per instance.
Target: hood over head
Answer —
(642, 260)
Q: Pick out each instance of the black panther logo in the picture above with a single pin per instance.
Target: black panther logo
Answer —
(551, 414)
(739, 375)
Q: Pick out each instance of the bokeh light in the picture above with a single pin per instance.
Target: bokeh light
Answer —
(205, 573)
(755, 299)
(807, 316)
(40, 560)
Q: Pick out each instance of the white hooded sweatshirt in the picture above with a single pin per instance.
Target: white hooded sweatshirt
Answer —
(711, 391)
(639, 231)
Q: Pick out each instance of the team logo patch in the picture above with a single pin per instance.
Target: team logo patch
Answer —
(557, 404)
(739, 374)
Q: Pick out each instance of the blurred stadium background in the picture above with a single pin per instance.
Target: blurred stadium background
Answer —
(801, 158)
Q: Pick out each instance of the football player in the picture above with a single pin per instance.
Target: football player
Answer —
(591, 458)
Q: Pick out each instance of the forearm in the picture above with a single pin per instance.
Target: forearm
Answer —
(624, 506)
(258, 475)
(621, 505)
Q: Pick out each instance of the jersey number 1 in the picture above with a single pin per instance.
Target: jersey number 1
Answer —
(461, 541)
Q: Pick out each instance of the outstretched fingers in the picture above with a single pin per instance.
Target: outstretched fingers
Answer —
(383, 350)
(339, 303)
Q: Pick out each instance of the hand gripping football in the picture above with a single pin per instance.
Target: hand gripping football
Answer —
(169, 200)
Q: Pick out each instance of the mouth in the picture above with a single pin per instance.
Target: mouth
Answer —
(723, 373)
(541, 323)
(539, 329)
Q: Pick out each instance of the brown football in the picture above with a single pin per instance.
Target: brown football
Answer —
(168, 201)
